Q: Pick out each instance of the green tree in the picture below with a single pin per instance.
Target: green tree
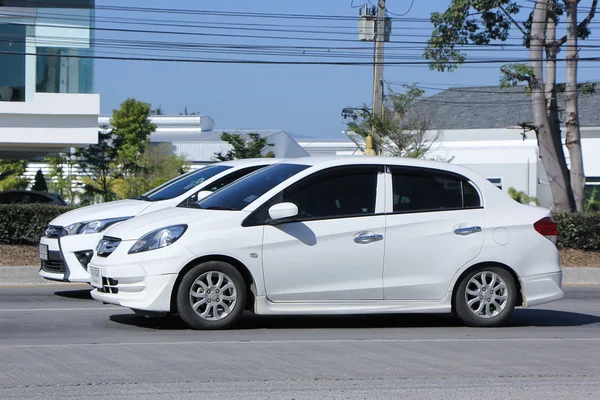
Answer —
(157, 164)
(403, 129)
(40, 182)
(250, 146)
(481, 22)
(61, 177)
(131, 133)
(522, 197)
(98, 166)
(185, 112)
(157, 111)
(12, 174)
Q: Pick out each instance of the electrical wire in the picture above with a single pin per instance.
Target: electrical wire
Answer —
(412, 3)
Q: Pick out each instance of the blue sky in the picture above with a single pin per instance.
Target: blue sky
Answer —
(304, 100)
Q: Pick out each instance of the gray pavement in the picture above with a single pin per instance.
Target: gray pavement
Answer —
(55, 342)
(28, 275)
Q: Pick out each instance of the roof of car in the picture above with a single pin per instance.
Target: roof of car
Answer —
(251, 161)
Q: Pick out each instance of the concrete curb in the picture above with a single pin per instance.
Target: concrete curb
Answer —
(28, 276)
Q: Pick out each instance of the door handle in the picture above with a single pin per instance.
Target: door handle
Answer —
(467, 231)
(365, 238)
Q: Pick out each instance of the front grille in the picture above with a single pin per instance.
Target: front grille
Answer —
(109, 286)
(54, 264)
(107, 245)
(53, 231)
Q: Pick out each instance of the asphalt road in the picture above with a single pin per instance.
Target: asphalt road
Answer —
(57, 343)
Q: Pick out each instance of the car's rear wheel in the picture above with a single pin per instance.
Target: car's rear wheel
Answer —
(211, 295)
(485, 297)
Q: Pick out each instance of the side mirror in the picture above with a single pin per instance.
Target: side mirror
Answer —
(203, 194)
(283, 210)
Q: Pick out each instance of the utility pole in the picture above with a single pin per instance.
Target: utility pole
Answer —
(378, 72)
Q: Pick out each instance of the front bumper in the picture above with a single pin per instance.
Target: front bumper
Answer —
(64, 265)
(143, 281)
(540, 289)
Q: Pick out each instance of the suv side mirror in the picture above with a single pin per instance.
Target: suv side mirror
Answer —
(283, 210)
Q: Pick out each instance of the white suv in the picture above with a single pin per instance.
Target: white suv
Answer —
(336, 235)
(69, 241)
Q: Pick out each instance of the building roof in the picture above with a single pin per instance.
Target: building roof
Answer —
(491, 107)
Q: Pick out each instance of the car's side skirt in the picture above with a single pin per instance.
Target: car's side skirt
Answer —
(264, 306)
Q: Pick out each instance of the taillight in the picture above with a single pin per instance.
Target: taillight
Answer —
(547, 227)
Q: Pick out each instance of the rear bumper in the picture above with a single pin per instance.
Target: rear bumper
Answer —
(540, 289)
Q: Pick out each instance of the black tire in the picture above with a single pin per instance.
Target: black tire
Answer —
(184, 304)
(467, 316)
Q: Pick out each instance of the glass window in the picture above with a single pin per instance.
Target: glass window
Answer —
(180, 185)
(64, 70)
(339, 192)
(232, 177)
(240, 194)
(12, 62)
(428, 190)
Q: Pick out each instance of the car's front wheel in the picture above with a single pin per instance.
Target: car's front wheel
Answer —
(485, 297)
(211, 295)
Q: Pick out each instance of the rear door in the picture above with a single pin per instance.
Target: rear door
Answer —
(434, 227)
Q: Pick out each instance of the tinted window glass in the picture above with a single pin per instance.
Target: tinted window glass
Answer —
(471, 196)
(240, 194)
(7, 198)
(232, 177)
(335, 193)
(430, 191)
(38, 198)
(180, 185)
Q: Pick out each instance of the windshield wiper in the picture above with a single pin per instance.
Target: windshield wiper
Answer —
(189, 205)
(223, 208)
(142, 197)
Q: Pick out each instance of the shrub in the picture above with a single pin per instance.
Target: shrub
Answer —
(25, 223)
(578, 231)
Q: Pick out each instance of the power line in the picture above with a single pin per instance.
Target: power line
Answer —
(412, 3)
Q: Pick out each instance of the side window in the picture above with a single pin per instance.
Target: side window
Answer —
(346, 191)
(429, 190)
(471, 196)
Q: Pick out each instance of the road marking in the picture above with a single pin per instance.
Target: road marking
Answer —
(59, 309)
(308, 341)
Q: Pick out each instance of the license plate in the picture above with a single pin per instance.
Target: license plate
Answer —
(95, 277)
(44, 252)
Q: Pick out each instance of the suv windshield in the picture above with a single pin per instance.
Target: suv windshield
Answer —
(240, 194)
(183, 183)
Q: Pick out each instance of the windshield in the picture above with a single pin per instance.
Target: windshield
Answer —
(240, 194)
(183, 183)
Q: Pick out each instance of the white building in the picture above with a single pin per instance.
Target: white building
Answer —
(46, 82)
(479, 127)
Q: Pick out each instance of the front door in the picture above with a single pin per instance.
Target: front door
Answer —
(334, 249)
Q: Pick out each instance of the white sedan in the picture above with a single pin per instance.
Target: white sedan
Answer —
(336, 235)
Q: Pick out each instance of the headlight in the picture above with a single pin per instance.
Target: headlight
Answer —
(158, 238)
(92, 226)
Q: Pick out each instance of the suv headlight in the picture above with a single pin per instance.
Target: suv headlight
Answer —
(158, 239)
(92, 226)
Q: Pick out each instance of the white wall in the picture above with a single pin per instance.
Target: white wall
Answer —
(49, 122)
